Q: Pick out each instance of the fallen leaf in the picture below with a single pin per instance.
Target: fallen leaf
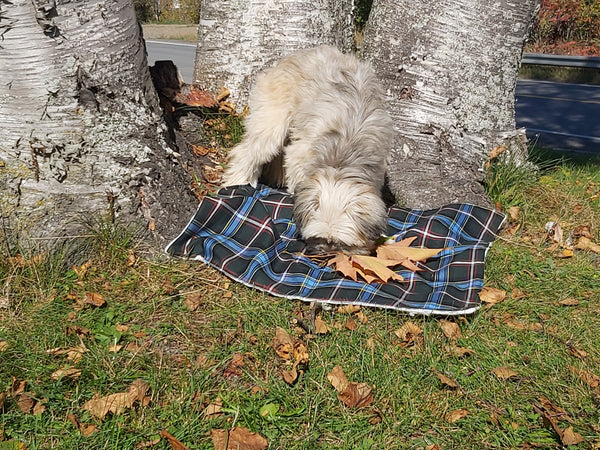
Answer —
(238, 438)
(282, 343)
(356, 395)
(337, 378)
(175, 443)
(343, 264)
(80, 271)
(459, 352)
(300, 352)
(566, 253)
(147, 444)
(84, 428)
(513, 212)
(577, 352)
(234, 368)
(456, 415)
(585, 243)
(320, 326)
(115, 348)
(497, 151)
(588, 378)
(447, 381)
(116, 403)
(194, 95)
(504, 373)
(570, 437)
(399, 251)
(193, 300)
(408, 332)
(450, 329)
(569, 302)
(289, 376)
(67, 372)
(557, 412)
(40, 407)
(352, 394)
(25, 403)
(375, 269)
(351, 324)
(492, 295)
(213, 409)
(554, 231)
(348, 309)
(3, 346)
(94, 299)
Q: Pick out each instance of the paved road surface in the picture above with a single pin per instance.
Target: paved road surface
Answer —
(561, 116)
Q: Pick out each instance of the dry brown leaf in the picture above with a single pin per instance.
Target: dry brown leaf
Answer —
(504, 373)
(447, 381)
(238, 438)
(175, 443)
(80, 271)
(356, 395)
(361, 316)
(3, 346)
(459, 352)
(557, 412)
(497, 151)
(513, 212)
(25, 403)
(492, 295)
(40, 407)
(84, 428)
(433, 447)
(147, 444)
(348, 309)
(67, 372)
(94, 299)
(578, 352)
(116, 403)
(338, 378)
(234, 368)
(450, 329)
(588, 378)
(320, 326)
(375, 269)
(399, 251)
(408, 332)
(115, 348)
(569, 302)
(456, 415)
(554, 231)
(351, 324)
(289, 376)
(343, 264)
(282, 343)
(213, 409)
(2, 397)
(300, 353)
(585, 243)
(570, 437)
(352, 394)
(193, 301)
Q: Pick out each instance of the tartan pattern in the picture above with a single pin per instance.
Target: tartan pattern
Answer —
(249, 235)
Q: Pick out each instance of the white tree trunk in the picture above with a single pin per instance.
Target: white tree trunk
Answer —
(80, 122)
(237, 39)
(450, 68)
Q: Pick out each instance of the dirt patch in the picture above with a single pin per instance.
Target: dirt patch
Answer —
(188, 33)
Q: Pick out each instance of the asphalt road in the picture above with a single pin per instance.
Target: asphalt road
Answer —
(560, 116)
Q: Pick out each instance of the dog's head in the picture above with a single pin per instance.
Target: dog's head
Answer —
(339, 215)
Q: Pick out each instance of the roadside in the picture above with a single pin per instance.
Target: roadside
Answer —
(187, 33)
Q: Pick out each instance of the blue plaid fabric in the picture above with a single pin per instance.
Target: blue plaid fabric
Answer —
(249, 235)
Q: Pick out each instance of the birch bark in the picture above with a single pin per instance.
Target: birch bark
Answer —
(80, 126)
(450, 68)
(239, 38)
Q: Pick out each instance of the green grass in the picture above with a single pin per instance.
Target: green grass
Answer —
(182, 354)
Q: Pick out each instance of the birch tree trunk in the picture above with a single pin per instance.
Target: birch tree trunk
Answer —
(450, 68)
(80, 126)
(237, 39)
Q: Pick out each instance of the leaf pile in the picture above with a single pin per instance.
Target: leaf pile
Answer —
(377, 269)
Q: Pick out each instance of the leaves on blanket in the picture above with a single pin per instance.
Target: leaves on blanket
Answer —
(378, 269)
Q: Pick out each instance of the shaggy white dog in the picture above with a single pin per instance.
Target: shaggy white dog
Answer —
(318, 125)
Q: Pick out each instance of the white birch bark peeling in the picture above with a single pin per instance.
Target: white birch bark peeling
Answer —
(450, 68)
(80, 122)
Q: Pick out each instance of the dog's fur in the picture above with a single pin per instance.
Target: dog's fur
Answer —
(319, 126)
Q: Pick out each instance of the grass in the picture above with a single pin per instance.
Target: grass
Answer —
(184, 322)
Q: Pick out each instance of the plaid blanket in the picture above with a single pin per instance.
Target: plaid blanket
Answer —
(249, 235)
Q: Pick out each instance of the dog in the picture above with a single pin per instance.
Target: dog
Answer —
(318, 125)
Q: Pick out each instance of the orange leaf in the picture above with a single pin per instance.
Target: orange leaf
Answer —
(238, 438)
(456, 415)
